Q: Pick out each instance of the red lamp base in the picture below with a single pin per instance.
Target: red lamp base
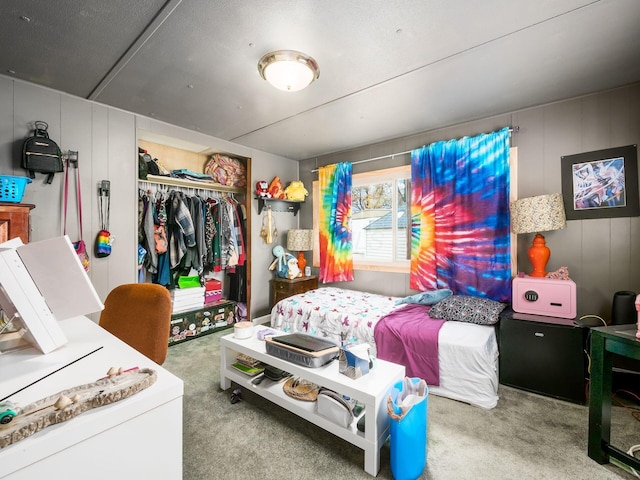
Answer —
(539, 255)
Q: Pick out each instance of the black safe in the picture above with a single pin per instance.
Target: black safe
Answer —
(545, 355)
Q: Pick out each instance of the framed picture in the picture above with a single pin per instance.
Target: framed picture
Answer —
(601, 184)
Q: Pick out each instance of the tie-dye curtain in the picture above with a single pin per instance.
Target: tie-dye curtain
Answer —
(336, 250)
(460, 216)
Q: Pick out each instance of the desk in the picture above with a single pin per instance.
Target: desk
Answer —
(138, 437)
(605, 342)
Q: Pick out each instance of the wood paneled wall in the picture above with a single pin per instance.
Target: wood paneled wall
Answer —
(106, 139)
(603, 255)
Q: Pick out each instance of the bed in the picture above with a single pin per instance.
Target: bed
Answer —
(461, 363)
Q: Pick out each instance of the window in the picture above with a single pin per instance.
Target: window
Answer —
(380, 241)
(381, 219)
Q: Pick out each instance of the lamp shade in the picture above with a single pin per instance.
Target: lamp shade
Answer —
(538, 214)
(300, 240)
(288, 70)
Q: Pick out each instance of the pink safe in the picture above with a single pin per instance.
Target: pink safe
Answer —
(544, 296)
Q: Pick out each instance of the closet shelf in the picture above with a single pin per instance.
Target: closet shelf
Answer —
(278, 205)
(181, 182)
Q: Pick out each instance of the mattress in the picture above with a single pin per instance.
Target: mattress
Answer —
(467, 353)
(462, 365)
(335, 313)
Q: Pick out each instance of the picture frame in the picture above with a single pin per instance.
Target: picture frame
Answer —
(601, 184)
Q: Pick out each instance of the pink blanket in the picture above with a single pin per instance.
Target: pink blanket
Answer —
(409, 337)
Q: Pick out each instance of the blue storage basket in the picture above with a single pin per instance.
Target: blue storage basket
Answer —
(12, 188)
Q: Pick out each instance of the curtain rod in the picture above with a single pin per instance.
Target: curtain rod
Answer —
(515, 129)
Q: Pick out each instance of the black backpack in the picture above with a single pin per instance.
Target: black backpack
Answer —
(41, 154)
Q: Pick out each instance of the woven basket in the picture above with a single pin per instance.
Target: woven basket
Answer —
(301, 389)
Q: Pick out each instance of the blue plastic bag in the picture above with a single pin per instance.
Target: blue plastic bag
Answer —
(407, 409)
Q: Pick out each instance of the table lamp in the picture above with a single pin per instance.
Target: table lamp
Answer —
(543, 213)
(300, 240)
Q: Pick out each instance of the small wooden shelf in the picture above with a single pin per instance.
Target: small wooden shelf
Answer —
(278, 205)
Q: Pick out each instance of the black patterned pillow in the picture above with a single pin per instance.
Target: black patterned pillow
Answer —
(465, 308)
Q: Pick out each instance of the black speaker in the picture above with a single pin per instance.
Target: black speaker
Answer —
(623, 309)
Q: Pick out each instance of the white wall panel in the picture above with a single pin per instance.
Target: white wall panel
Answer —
(265, 166)
(123, 174)
(75, 116)
(100, 267)
(33, 103)
(7, 166)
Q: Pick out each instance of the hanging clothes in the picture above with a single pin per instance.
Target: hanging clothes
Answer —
(201, 233)
(238, 275)
(180, 228)
(146, 233)
(194, 253)
(213, 234)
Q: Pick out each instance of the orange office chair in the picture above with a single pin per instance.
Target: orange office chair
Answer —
(139, 314)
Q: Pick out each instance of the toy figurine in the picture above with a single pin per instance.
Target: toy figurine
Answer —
(262, 189)
(296, 191)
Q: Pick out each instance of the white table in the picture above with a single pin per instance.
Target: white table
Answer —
(138, 437)
(371, 390)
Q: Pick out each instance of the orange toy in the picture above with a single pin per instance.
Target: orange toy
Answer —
(275, 188)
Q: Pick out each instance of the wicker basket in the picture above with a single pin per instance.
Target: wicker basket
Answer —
(12, 188)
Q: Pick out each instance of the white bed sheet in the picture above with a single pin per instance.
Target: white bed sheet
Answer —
(468, 357)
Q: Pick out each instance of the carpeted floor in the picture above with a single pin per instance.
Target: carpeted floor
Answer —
(526, 436)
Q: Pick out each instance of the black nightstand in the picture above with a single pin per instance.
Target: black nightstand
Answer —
(544, 355)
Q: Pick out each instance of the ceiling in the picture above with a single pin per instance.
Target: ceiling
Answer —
(388, 68)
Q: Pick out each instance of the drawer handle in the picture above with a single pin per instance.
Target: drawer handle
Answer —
(539, 334)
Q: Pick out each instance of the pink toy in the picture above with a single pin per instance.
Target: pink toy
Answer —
(638, 310)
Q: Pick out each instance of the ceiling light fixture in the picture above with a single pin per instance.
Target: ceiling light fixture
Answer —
(288, 70)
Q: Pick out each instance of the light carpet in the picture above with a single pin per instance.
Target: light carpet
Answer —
(527, 436)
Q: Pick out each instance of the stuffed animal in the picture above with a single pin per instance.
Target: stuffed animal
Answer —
(275, 188)
(262, 189)
(293, 271)
(296, 191)
(285, 264)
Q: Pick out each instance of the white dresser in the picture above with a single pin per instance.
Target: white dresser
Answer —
(138, 437)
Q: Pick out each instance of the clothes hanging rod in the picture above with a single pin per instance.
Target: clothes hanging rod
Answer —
(515, 129)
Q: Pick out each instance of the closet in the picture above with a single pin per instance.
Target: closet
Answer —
(195, 228)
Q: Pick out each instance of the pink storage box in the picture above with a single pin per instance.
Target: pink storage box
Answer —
(212, 296)
(544, 296)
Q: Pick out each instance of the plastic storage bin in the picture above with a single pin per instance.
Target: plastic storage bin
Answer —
(12, 188)
(408, 428)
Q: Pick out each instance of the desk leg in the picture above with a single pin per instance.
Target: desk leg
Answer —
(225, 360)
(599, 400)
(372, 460)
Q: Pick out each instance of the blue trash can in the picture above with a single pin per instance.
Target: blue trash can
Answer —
(408, 428)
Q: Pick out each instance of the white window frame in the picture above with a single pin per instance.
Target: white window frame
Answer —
(369, 178)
